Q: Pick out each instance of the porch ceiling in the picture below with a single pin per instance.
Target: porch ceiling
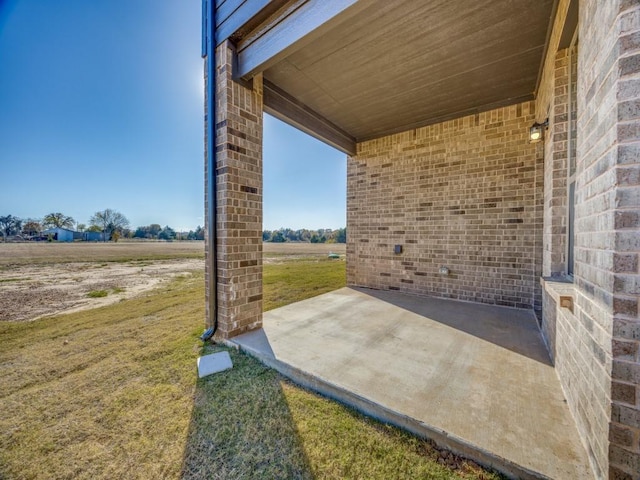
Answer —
(400, 64)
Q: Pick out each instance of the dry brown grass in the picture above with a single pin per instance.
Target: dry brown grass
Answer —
(124, 251)
(105, 393)
(46, 253)
(111, 393)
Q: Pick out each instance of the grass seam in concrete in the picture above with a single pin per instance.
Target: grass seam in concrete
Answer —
(370, 408)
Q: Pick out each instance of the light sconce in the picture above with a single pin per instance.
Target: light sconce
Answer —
(536, 132)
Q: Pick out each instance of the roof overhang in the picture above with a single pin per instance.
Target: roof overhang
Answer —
(347, 71)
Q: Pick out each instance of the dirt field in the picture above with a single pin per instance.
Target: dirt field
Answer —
(44, 252)
(29, 292)
(44, 279)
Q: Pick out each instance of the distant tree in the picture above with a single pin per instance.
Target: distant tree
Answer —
(278, 237)
(322, 235)
(58, 220)
(148, 231)
(195, 235)
(167, 233)
(81, 227)
(109, 221)
(94, 228)
(154, 230)
(304, 235)
(31, 228)
(9, 225)
(315, 238)
(141, 232)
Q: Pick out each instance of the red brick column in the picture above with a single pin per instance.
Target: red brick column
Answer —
(238, 175)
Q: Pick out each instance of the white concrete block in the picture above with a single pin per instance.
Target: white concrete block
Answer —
(214, 363)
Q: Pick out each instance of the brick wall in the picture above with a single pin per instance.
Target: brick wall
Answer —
(239, 199)
(608, 197)
(583, 347)
(465, 194)
(596, 345)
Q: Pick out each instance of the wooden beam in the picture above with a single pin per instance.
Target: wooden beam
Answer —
(226, 9)
(283, 106)
(232, 15)
(301, 23)
(570, 25)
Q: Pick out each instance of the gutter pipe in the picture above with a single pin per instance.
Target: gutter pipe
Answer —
(209, 54)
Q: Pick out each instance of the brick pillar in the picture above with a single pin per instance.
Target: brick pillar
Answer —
(608, 216)
(555, 172)
(238, 200)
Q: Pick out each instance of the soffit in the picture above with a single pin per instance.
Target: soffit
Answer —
(406, 63)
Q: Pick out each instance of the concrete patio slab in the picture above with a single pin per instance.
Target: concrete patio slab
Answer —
(474, 378)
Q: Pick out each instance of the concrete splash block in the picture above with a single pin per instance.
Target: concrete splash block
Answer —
(214, 363)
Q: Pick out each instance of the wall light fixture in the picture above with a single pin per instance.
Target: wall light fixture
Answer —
(536, 132)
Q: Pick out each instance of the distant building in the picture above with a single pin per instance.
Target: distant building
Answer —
(59, 234)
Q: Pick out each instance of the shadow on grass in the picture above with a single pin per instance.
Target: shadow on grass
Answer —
(241, 426)
(250, 423)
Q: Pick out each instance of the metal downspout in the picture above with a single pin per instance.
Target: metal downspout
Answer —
(209, 53)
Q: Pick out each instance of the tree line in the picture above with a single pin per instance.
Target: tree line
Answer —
(156, 231)
(322, 235)
(112, 224)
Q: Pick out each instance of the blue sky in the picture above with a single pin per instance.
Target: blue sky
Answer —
(101, 106)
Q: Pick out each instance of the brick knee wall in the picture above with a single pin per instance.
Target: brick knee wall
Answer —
(465, 194)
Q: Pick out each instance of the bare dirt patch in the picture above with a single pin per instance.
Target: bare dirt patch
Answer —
(44, 279)
(30, 292)
(123, 251)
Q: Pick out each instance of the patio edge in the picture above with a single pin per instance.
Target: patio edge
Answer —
(368, 407)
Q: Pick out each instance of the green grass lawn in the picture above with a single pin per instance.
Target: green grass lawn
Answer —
(112, 393)
(294, 280)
